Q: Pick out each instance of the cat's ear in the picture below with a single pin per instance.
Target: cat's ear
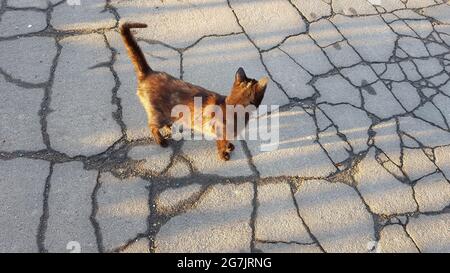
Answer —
(262, 83)
(240, 75)
(261, 86)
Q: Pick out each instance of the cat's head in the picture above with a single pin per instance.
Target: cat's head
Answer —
(247, 91)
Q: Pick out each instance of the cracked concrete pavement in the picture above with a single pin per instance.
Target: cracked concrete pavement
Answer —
(364, 159)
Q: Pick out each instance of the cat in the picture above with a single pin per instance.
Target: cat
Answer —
(159, 92)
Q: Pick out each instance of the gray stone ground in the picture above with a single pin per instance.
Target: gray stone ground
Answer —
(364, 159)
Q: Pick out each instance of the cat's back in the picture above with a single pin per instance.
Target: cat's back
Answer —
(163, 84)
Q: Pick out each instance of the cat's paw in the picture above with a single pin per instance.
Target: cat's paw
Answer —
(230, 147)
(224, 155)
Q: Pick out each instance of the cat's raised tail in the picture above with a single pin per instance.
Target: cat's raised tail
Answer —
(134, 51)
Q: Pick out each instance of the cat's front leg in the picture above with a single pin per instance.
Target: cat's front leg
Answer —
(224, 149)
(159, 139)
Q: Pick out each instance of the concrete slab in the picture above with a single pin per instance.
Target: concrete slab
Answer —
(324, 32)
(171, 199)
(343, 226)
(342, 55)
(76, 113)
(431, 233)
(153, 157)
(70, 208)
(305, 52)
(336, 89)
(432, 193)
(22, 184)
(337, 149)
(353, 7)
(268, 23)
(312, 9)
(28, 59)
(204, 157)
(214, 225)
(19, 22)
(89, 14)
(297, 154)
(140, 246)
(19, 111)
(42, 4)
(283, 69)
(352, 122)
(382, 192)
(388, 140)
(394, 239)
(122, 209)
(438, 12)
(370, 36)
(179, 24)
(278, 218)
(287, 248)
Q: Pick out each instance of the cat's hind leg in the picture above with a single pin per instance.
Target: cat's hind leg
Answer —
(155, 121)
(224, 149)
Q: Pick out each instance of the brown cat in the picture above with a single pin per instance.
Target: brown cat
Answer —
(159, 92)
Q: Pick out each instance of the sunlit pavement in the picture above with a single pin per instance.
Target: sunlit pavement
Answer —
(363, 162)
